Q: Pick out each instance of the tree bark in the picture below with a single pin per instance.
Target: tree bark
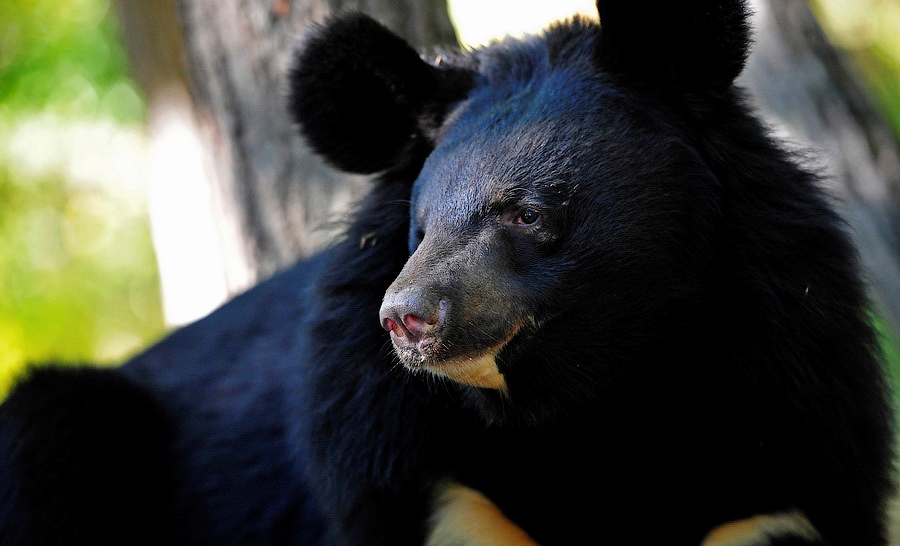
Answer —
(247, 197)
(811, 92)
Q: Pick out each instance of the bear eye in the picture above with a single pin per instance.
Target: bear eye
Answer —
(527, 217)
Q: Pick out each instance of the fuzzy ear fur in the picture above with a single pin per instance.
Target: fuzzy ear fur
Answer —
(696, 45)
(360, 93)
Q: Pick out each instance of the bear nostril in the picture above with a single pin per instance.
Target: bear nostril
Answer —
(416, 326)
(391, 326)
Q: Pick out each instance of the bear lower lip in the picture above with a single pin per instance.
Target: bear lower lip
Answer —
(416, 354)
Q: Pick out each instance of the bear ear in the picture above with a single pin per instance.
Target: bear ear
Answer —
(361, 94)
(696, 45)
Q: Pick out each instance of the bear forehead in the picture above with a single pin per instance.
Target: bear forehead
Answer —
(490, 163)
(542, 122)
(538, 140)
(518, 124)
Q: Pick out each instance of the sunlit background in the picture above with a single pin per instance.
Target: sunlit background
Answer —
(77, 273)
(78, 276)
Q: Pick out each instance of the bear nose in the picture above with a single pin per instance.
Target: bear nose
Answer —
(410, 316)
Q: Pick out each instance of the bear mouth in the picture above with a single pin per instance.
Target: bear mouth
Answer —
(477, 369)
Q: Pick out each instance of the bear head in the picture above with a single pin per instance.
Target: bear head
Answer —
(562, 213)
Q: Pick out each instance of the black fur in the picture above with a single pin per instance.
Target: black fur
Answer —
(669, 42)
(368, 93)
(672, 312)
(84, 461)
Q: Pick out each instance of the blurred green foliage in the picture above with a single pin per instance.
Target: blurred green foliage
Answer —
(78, 276)
(869, 30)
(64, 56)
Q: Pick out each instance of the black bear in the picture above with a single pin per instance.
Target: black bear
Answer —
(587, 298)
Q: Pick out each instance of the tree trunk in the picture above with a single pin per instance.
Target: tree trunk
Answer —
(812, 93)
(235, 195)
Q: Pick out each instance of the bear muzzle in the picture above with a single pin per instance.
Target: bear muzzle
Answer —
(417, 323)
